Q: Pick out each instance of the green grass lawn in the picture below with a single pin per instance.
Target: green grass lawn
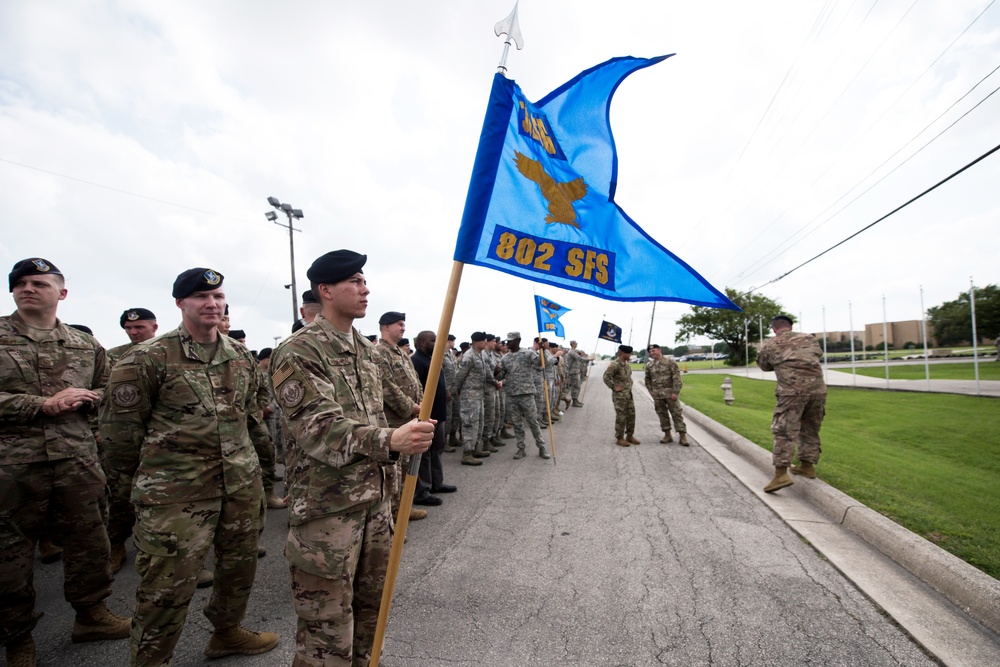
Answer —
(988, 370)
(930, 462)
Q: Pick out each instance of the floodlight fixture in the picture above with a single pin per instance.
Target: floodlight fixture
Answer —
(273, 201)
(271, 215)
(287, 208)
(297, 213)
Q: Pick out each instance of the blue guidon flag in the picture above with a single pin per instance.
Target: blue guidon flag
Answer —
(548, 312)
(541, 199)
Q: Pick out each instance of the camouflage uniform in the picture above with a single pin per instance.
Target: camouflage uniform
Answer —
(116, 353)
(572, 361)
(491, 397)
(401, 390)
(471, 385)
(517, 370)
(620, 373)
(540, 378)
(663, 380)
(801, 395)
(50, 477)
(329, 387)
(449, 369)
(260, 432)
(563, 379)
(176, 426)
(121, 514)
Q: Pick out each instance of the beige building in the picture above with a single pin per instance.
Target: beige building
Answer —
(899, 334)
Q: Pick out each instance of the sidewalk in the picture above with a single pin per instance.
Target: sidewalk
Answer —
(840, 377)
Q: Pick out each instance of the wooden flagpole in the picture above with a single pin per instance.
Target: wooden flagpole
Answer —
(548, 407)
(410, 483)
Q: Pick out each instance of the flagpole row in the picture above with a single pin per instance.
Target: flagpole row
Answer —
(410, 483)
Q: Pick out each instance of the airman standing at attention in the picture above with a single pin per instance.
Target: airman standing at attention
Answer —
(663, 380)
(176, 429)
(470, 384)
(618, 377)
(51, 376)
(328, 384)
(517, 369)
(800, 400)
(139, 325)
(401, 396)
(449, 369)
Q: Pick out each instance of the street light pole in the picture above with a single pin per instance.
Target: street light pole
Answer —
(291, 213)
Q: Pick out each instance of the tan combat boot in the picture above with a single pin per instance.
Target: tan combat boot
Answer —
(633, 440)
(417, 514)
(239, 640)
(97, 623)
(684, 439)
(274, 502)
(205, 577)
(48, 551)
(621, 442)
(577, 404)
(21, 652)
(780, 481)
(468, 459)
(666, 437)
(804, 468)
(118, 558)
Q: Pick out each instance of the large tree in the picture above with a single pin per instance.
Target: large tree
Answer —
(952, 320)
(730, 326)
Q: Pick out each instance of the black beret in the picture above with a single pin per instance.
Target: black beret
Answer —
(238, 334)
(464, 346)
(625, 348)
(226, 311)
(197, 280)
(779, 318)
(373, 338)
(264, 354)
(477, 336)
(308, 297)
(83, 327)
(403, 341)
(452, 337)
(136, 314)
(35, 266)
(391, 317)
(298, 325)
(336, 266)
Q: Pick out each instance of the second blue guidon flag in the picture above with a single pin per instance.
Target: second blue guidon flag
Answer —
(541, 202)
(611, 332)
(548, 313)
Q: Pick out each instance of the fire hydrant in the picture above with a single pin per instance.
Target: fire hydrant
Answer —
(727, 388)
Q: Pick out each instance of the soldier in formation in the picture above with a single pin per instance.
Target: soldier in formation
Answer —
(663, 380)
(470, 385)
(517, 371)
(618, 378)
(800, 400)
(176, 426)
(341, 452)
(51, 378)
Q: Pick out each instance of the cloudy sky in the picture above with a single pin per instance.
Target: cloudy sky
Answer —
(142, 138)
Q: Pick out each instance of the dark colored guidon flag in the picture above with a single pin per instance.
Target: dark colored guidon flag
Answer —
(548, 312)
(541, 199)
(611, 332)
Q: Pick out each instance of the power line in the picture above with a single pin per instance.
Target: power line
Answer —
(120, 191)
(779, 249)
(895, 210)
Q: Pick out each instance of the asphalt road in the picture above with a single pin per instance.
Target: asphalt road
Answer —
(648, 555)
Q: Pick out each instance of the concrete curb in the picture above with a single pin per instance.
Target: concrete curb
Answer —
(973, 591)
